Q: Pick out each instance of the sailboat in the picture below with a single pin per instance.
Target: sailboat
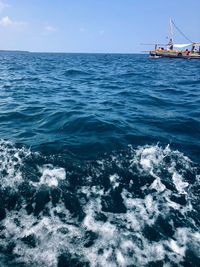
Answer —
(190, 50)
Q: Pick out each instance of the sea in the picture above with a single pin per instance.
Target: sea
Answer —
(99, 160)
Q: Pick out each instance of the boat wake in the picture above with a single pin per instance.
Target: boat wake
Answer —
(136, 207)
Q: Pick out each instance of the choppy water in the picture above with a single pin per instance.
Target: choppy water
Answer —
(99, 160)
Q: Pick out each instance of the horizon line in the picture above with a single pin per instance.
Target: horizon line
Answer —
(64, 52)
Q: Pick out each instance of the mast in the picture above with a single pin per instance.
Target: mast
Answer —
(171, 31)
(171, 41)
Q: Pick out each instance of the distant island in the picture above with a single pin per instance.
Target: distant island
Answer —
(14, 51)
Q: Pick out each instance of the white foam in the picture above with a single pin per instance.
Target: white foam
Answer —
(114, 180)
(11, 161)
(51, 175)
(158, 185)
(176, 248)
(140, 211)
(48, 232)
(119, 237)
(120, 258)
(150, 156)
(151, 159)
(178, 182)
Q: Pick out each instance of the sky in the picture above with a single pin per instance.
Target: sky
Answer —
(94, 26)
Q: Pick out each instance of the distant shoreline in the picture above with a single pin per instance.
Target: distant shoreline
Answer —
(54, 52)
(14, 51)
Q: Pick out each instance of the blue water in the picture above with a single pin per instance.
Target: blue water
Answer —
(99, 160)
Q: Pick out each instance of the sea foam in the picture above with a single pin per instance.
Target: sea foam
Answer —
(136, 208)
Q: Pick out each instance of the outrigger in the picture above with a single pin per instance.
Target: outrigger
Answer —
(171, 50)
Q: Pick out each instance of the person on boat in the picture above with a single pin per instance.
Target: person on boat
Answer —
(170, 45)
(187, 52)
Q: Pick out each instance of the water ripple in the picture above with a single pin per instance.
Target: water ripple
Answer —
(87, 177)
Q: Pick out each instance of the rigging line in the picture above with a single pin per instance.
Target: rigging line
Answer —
(181, 32)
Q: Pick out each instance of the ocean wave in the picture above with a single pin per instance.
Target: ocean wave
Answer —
(75, 72)
(135, 206)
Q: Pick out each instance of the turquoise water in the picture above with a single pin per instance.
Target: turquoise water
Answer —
(99, 159)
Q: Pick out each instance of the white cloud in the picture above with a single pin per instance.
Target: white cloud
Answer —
(50, 28)
(8, 22)
(3, 6)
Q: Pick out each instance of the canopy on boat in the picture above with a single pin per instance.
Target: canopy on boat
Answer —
(181, 45)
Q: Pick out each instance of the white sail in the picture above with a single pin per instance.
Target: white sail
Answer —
(181, 45)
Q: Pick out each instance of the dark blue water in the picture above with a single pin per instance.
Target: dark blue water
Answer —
(99, 160)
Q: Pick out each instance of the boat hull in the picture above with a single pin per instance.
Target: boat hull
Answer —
(172, 54)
